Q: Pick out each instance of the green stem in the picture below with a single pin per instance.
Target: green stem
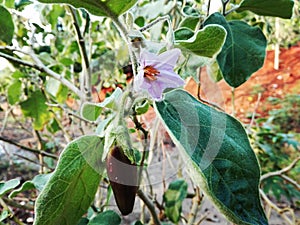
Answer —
(224, 3)
(124, 34)
(149, 205)
(86, 74)
(208, 7)
(232, 101)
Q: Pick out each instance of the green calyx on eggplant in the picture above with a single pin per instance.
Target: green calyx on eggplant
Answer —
(123, 178)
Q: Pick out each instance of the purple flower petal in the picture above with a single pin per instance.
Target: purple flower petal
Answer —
(170, 79)
(155, 83)
(168, 58)
(147, 58)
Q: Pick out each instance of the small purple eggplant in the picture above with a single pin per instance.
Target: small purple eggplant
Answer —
(123, 178)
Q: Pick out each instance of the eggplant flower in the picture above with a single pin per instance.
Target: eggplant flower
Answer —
(156, 73)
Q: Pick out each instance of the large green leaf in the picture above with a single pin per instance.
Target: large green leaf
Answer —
(217, 152)
(243, 52)
(173, 199)
(206, 42)
(280, 8)
(110, 8)
(36, 108)
(72, 187)
(7, 26)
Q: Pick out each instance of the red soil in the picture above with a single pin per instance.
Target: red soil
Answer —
(267, 82)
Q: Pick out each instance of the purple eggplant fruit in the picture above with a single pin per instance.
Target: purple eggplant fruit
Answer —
(123, 178)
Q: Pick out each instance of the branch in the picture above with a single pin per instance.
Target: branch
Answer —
(150, 206)
(291, 181)
(195, 207)
(277, 209)
(42, 68)
(43, 153)
(14, 204)
(280, 172)
(58, 77)
(86, 81)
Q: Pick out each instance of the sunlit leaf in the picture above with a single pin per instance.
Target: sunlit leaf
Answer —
(206, 42)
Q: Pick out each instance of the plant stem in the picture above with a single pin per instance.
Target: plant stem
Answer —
(280, 211)
(282, 171)
(231, 10)
(85, 81)
(149, 205)
(232, 101)
(254, 112)
(208, 7)
(124, 34)
(224, 4)
(43, 153)
(38, 65)
(5, 119)
(195, 207)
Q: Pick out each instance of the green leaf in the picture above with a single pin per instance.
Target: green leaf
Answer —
(7, 26)
(14, 92)
(83, 221)
(183, 33)
(8, 185)
(173, 198)
(10, 4)
(36, 108)
(217, 152)
(108, 217)
(18, 74)
(110, 8)
(142, 108)
(57, 90)
(206, 42)
(190, 11)
(278, 8)
(92, 111)
(20, 5)
(243, 52)
(4, 214)
(190, 22)
(37, 182)
(72, 187)
(66, 61)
